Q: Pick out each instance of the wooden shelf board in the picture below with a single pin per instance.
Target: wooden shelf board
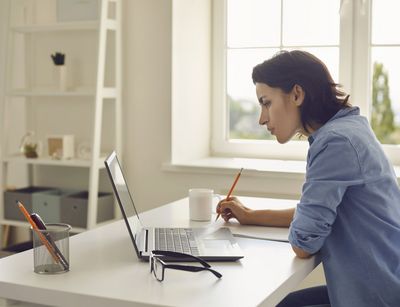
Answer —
(27, 225)
(49, 161)
(65, 26)
(107, 92)
(50, 92)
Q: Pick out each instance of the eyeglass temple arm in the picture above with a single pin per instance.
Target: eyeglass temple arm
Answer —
(192, 269)
(180, 255)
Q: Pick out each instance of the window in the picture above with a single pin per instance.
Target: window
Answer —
(337, 31)
(385, 70)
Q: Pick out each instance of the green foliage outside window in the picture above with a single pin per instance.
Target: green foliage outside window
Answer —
(382, 115)
(243, 121)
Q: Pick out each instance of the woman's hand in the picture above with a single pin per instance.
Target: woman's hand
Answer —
(233, 208)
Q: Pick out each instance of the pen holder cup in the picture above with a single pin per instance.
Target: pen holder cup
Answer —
(51, 249)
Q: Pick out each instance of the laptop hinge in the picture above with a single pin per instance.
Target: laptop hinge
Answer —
(146, 240)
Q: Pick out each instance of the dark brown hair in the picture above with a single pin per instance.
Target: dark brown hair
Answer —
(323, 97)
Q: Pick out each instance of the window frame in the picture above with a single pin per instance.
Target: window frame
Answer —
(354, 76)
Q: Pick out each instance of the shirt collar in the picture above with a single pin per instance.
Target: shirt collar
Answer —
(341, 113)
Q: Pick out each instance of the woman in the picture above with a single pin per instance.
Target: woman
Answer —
(349, 211)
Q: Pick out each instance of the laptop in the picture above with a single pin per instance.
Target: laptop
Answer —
(210, 244)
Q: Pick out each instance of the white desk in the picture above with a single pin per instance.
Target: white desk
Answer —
(106, 272)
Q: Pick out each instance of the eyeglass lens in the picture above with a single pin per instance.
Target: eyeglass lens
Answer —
(157, 268)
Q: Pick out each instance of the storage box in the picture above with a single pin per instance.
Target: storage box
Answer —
(74, 10)
(74, 208)
(48, 204)
(25, 196)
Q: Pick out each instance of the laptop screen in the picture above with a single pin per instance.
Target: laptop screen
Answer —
(122, 193)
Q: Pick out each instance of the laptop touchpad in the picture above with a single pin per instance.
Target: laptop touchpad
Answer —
(217, 244)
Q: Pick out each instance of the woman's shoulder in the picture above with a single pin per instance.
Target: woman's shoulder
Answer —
(354, 129)
(341, 138)
(351, 139)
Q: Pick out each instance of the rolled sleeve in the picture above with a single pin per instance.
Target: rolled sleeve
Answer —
(332, 167)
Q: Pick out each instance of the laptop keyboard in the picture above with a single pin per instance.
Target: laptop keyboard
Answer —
(176, 240)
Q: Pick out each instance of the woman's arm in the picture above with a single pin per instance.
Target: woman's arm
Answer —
(233, 208)
(300, 253)
(279, 218)
(272, 218)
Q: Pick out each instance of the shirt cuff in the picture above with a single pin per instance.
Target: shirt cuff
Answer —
(308, 243)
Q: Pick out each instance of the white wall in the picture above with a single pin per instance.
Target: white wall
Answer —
(191, 86)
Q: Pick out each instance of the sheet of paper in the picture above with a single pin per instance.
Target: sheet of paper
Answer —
(259, 232)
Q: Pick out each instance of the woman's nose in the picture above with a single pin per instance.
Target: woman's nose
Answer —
(263, 117)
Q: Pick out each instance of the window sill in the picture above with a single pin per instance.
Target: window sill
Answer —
(253, 167)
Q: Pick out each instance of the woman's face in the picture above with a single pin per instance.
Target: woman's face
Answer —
(280, 112)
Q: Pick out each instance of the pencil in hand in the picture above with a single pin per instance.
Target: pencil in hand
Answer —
(231, 190)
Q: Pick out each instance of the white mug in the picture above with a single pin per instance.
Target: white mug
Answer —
(200, 204)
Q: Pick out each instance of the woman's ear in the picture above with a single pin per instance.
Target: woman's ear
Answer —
(298, 95)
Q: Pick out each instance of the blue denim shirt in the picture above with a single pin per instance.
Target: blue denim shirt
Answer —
(349, 212)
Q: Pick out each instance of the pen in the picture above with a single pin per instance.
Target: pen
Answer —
(42, 226)
(231, 190)
(36, 229)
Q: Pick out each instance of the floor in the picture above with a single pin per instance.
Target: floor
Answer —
(5, 254)
(12, 303)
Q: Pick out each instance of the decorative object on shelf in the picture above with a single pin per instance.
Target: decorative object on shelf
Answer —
(29, 147)
(61, 70)
(61, 146)
(74, 10)
(30, 150)
(84, 151)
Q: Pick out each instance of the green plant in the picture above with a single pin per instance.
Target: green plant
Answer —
(30, 150)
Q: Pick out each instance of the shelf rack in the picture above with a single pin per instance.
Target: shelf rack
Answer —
(96, 95)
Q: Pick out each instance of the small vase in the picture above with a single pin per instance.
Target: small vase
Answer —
(62, 77)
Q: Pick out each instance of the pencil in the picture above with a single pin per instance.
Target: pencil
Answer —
(36, 229)
(231, 190)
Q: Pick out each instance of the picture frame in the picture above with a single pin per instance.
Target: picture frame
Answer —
(61, 146)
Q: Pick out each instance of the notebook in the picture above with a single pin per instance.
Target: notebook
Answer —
(210, 244)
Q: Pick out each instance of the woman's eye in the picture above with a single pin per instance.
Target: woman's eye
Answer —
(265, 103)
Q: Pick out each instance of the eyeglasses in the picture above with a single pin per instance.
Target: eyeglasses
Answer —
(158, 266)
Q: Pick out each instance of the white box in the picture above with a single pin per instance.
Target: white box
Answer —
(61, 146)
